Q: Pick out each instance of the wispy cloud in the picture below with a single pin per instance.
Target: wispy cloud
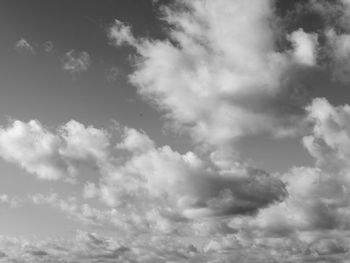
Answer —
(120, 33)
(76, 62)
(48, 46)
(113, 74)
(10, 201)
(23, 45)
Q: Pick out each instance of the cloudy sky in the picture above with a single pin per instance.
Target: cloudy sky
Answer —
(175, 131)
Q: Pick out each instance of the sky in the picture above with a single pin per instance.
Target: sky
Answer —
(174, 131)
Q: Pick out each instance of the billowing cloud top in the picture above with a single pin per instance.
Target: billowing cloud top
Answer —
(218, 75)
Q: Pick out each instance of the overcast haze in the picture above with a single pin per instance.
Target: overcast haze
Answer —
(174, 131)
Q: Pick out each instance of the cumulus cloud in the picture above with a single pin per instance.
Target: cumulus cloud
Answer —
(218, 74)
(148, 189)
(315, 214)
(84, 142)
(23, 45)
(48, 155)
(158, 190)
(184, 183)
(305, 47)
(76, 62)
(136, 173)
(135, 141)
(329, 141)
(34, 148)
(121, 34)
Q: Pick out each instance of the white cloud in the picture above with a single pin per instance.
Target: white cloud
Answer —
(329, 141)
(84, 142)
(318, 204)
(135, 141)
(305, 47)
(121, 34)
(218, 75)
(183, 183)
(23, 45)
(76, 62)
(34, 148)
(49, 155)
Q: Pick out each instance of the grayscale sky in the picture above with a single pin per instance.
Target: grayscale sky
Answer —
(174, 131)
